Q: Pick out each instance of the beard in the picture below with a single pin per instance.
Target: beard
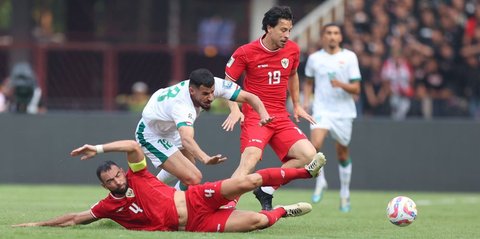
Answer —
(120, 191)
(206, 107)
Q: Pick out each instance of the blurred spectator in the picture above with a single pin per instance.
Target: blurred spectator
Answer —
(471, 73)
(137, 100)
(3, 97)
(215, 35)
(397, 72)
(44, 32)
(436, 88)
(26, 94)
(376, 91)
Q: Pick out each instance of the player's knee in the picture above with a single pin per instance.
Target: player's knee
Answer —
(250, 182)
(250, 159)
(192, 178)
(260, 221)
(306, 157)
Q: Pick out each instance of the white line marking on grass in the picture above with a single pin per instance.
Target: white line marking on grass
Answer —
(448, 201)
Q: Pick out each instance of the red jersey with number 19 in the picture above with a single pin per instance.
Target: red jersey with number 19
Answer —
(267, 74)
(147, 205)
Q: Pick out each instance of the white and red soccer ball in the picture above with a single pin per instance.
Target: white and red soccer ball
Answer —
(401, 211)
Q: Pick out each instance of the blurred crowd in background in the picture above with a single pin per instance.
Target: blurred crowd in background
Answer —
(418, 59)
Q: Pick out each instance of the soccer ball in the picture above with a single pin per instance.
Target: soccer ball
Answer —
(401, 211)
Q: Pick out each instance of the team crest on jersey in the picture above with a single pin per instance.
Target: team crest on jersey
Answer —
(130, 193)
(284, 62)
(227, 84)
(230, 61)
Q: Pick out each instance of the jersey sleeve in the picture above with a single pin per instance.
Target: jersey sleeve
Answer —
(236, 64)
(226, 89)
(182, 116)
(98, 210)
(354, 69)
(309, 70)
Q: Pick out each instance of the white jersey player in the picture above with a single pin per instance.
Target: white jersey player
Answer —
(337, 78)
(166, 131)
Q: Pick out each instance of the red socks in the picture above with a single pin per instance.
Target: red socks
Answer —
(281, 176)
(273, 215)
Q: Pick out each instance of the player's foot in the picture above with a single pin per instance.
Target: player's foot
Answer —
(316, 164)
(297, 209)
(345, 205)
(264, 198)
(318, 193)
(230, 205)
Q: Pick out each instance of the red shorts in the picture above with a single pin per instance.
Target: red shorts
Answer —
(203, 202)
(281, 134)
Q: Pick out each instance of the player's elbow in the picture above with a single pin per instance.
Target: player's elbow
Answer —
(132, 145)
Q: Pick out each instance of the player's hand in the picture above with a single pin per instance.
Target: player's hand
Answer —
(215, 159)
(266, 120)
(87, 151)
(298, 111)
(232, 119)
(307, 106)
(336, 83)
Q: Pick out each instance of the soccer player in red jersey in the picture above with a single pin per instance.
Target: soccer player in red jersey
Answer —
(270, 65)
(139, 201)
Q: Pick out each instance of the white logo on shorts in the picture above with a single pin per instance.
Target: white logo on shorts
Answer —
(209, 193)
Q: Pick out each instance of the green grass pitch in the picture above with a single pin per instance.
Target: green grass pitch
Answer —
(440, 215)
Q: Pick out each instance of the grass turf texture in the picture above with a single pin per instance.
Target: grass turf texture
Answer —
(440, 215)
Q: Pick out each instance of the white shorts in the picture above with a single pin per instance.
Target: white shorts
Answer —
(155, 147)
(340, 128)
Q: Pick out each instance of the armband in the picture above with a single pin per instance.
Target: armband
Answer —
(135, 167)
(99, 149)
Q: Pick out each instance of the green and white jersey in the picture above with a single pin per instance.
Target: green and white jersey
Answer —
(170, 108)
(323, 67)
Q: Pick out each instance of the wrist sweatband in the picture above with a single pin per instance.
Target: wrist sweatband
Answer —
(99, 149)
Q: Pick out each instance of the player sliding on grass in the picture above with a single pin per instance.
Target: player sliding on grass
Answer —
(139, 201)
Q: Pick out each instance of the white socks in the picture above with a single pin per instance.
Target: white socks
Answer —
(345, 174)
(165, 176)
(321, 182)
(268, 190)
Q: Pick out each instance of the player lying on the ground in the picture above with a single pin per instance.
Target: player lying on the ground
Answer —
(139, 201)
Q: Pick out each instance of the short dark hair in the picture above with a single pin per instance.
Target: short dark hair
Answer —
(201, 77)
(274, 14)
(107, 165)
(332, 24)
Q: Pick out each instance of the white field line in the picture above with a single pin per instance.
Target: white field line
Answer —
(448, 201)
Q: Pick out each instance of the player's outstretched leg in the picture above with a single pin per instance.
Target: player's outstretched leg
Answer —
(312, 170)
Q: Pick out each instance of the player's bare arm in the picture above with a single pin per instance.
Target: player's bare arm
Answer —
(235, 114)
(307, 92)
(66, 220)
(132, 148)
(188, 141)
(351, 88)
(257, 105)
(294, 90)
